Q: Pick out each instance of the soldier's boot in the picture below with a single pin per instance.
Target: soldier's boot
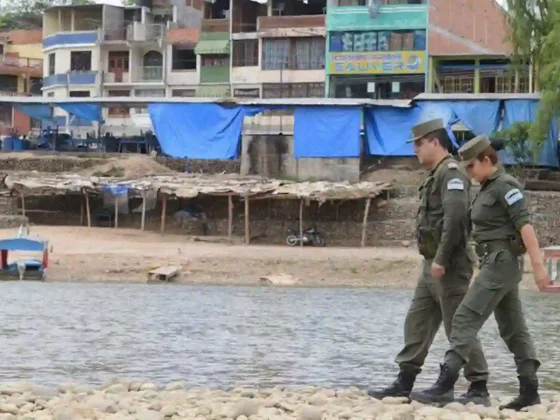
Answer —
(442, 391)
(528, 394)
(477, 393)
(401, 387)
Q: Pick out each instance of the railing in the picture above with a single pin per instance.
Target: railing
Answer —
(274, 22)
(148, 74)
(6, 60)
(15, 93)
(215, 25)
(145, 32)
(114, 34)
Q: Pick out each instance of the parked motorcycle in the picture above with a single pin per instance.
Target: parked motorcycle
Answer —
(311, 237)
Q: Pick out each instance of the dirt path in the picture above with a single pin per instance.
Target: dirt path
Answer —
(126, 255)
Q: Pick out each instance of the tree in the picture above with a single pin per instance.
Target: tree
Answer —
(515, 140)
(535, 30)
(27, 14)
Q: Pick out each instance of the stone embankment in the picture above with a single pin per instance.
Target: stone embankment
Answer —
(145, 401)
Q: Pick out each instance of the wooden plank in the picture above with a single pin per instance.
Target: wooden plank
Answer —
(164, 273)
(247, 224)
(88, 212)
(230, 217)
(143, 221)
(163, 213)
(301, 222)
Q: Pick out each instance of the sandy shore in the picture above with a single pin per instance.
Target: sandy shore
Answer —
(144, 401)
(126, 255)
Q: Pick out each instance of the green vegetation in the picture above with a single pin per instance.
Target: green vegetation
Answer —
(27, 14)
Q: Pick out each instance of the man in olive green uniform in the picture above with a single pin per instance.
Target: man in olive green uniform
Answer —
(499, 212)
(442, 234)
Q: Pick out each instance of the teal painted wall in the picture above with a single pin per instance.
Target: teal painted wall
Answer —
(394, 17)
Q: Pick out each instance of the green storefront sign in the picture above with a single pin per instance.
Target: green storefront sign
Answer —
(358, 18)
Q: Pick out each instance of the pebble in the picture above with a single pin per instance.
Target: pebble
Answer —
(121, 400)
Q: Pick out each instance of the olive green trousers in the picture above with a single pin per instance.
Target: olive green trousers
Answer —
(435, 302)
(495, 290)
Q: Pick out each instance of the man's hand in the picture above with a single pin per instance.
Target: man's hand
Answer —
(541, 276)
(437, 270)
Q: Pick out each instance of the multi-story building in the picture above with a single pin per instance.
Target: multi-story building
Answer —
(104, 50)
(395, 49)
(21, 73)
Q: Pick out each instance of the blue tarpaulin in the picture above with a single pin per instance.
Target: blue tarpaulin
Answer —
(37, 111)
(327, 132)
(199, 131)
(480, 117)
(388, 128)
(116, 189)
(87, 112)
(525, 110)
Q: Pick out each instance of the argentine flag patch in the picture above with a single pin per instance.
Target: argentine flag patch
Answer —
(513, 196)
(455, 184)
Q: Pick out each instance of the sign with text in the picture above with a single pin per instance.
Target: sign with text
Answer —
(380, 62)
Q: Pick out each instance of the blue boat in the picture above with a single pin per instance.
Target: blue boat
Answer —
(27, 268)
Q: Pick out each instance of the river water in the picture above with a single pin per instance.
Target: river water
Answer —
(54, 333)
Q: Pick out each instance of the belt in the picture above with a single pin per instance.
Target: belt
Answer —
(488, 247)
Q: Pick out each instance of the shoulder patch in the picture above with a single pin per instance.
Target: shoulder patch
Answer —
(513, 196)
(452, 165)
(455, 184)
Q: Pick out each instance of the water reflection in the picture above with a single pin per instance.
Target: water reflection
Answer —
(224, 336)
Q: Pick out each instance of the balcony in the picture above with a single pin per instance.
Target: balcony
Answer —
(114, 34)
(142, 32)
(18, 65)
(291, 26)
(215, 25)
(391, 16)
(71, 78)
(71, 38)
(214, 74)
(147, 74)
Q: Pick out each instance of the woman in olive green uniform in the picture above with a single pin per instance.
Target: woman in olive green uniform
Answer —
(503, 233)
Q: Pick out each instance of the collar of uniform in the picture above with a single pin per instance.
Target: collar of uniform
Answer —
(495, 175)
(439, 164)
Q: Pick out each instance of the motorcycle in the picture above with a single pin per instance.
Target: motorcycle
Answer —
(311, 237)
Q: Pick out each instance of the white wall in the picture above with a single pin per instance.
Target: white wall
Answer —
(292, 76)
(246, 75)
(181, 77)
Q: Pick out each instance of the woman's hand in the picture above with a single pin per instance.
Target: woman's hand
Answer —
(541, 276)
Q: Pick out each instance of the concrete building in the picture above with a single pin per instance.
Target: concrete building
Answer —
(396, 49)
(21, 67)
(103, 50)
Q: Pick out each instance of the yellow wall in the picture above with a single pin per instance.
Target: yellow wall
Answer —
(26, 50)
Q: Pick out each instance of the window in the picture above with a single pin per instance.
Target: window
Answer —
(183, 59)
(246, 93)
(183, 93)
(50, 95)
(293, 90)
(215, 61)
(52, 62)
(367, 41)
(246, 53)
(121, 111)
(294, 53)
(79, 94)
(80, 60)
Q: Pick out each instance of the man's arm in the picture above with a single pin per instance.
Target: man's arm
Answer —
(455, 203)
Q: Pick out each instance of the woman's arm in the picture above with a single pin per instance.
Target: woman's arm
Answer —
(532, 244)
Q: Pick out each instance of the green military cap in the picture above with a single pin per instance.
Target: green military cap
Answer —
(471, 149)
(425, 128)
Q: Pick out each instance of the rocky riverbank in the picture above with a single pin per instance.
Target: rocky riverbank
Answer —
(145, 401)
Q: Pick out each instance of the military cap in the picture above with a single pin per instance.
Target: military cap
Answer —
(425, 128)
(471, 149)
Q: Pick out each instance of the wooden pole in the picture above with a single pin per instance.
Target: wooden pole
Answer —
(143, 221)
(364, 224)
(116, 211)
(301, 222)
(230, 217)
(88, 213)
(82, 212)
(22, 203)
(163, 213)
(247, 231)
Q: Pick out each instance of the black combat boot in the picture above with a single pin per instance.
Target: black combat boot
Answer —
(400, 388)
(442, 392)
(528, 394)
(477, 393)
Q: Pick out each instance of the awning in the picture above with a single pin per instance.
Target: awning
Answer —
(212, 47)
(213, 91)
